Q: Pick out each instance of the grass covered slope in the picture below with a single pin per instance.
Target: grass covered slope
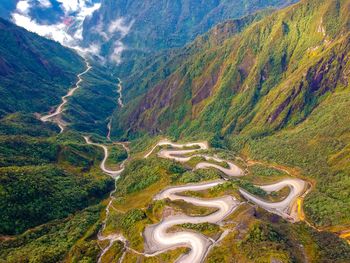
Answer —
(279, 87)
(34, 72)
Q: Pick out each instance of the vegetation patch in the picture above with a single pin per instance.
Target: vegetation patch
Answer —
(130, 224)
(207, 229)
(50, 242)
(30, 196)
(198, 176)
(117, 154)
(189, 209)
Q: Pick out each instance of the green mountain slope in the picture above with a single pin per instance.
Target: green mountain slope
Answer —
(50, 183)
(34, 72)
(283, 79)
(153, 68)
(90, 108)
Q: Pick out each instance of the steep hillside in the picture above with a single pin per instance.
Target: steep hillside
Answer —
(90, 108)
(34, 72)
(153, 68)
(272, 81)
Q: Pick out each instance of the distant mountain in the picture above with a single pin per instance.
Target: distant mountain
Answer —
(139, 27)
(281, 84)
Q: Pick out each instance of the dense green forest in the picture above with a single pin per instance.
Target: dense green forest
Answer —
(45, 177)
(53, 242)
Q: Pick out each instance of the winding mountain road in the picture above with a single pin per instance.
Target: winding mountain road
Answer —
(115, 175)
(121, 105)
(283, 208)
(156, 236)
(158, 239)
(103, 167)
(55, 116)
(120, 92)
(180, 156)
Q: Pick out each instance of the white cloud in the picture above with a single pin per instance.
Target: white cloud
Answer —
(45, 3)
(69, 31)
(70, 5)
(23, 6)
(79, 33)
(94, 49)
(119, 25)
(116, 56)
(83, 7)
(86, 11)
(55, 32)
(99, 30)
(108, 32)
(59, 31)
